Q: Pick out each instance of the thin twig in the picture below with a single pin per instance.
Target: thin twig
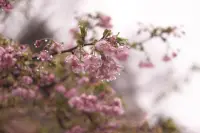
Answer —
(65, 51)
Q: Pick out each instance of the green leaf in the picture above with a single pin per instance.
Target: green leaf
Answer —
(106, 33)
(121, 40)
(100, 88)
(134, 45)
(170, 124)
(83, 30)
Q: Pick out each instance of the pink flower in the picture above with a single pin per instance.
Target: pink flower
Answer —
(5, 5)
(76, 102)
(117, 102)
(37, 43)
(51, 77)
(76, 65)
(92, 64)
(76, 129)
(108, 70)
(90, 103)
(56, 47)
(83, 80)
(166, 58)
(122, 53)
(9, 49)
(7, 58)
(19, 92)
(104, 21)
(115, 108)
(112, 39)
(71, 93)
(112, 125)
(27, 80)
(85, 103)
(44, 56)
(31, 94)
(23, 47)
(102, 95)
(60, 89)
(46, 78)
(105, 47)
(146, 65)
(111, 110)
(174, 54)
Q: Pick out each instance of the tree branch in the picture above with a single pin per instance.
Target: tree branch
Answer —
(67, 50)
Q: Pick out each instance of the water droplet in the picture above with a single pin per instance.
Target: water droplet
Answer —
(46, 51)
(108, 80)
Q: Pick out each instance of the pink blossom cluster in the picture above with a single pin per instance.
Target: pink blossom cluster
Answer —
(108, 70)
(27, 80)
(49, 47)
(56, 47)
(5, 5)
(104, 66)
(167, 58)
(104, 21)
(83, 80)
(46, 78)
(25, 93)
(109, 49)
(91, 103)
(148, 64)
(7, 57)
(44, 56)
(76, 64)
(67, 93)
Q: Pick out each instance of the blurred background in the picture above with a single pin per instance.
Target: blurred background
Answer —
(169, 89)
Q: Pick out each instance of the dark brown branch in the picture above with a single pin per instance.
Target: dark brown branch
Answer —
(72, 49)
(67, 50)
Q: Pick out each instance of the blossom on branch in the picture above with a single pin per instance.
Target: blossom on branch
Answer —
(5, 5)
(91, 103)
(7, 57)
